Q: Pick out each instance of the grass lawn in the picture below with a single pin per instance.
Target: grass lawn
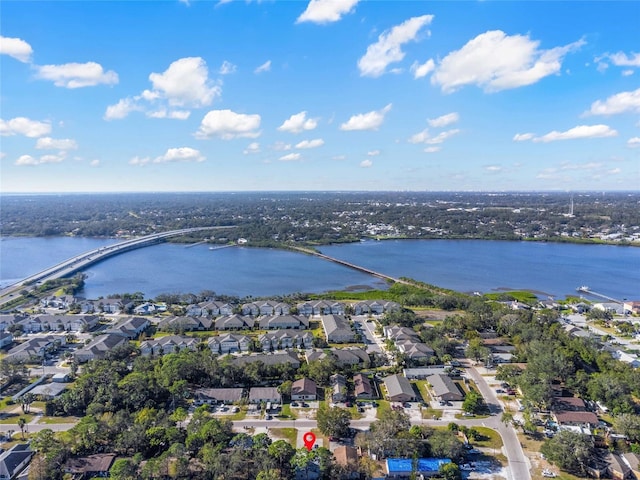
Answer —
(424, 391)
(288, 434)
(531, 449)
(58, 420)
(12, 418)
(384, 408)
(493, 438)
(287, 412)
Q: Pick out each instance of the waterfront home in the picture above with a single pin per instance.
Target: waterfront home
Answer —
(264, 395)
(234, 322)
(631, 308)
(130, 327)
(212, 396)
(111, 305)
(99, 347)
(304, 389)
(229, 343)
(273, 322)
(445, 389)
(338, 384)
(611, 307)
(168, 344)
(148, 308)
(375, 307)
(287, 357)
(284, 339)
(210, 308)
(320, 307)
(337, 329)
(62, 302)
(15, 460)
(184, 324)
(399, 389)
(362, 387)
(265, 308)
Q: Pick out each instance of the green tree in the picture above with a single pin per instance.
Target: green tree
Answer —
(333, 421)
(450, 471)
(473, 402)
(570, 451)
(124, 469)
(22, 424)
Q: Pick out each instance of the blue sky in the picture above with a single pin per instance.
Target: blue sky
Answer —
(321, 95)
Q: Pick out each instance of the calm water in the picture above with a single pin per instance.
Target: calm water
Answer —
(470, 265)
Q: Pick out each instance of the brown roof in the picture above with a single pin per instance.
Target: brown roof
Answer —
(93, 463)
(569, 403)
(362, 384)
(577, 417)
(304, 386)
(345, 455)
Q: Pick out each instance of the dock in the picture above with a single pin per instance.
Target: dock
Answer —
(588, 291)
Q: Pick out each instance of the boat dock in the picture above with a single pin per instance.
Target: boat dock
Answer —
(588, 291)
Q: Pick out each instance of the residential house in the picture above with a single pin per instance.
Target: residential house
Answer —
(342, 356)
(400, 334)
(264, 395)
(148, 308)
(612, 307)
(576, 419)
(62, 302)
(130, 327)
(375, 307)
(618, 468)
(5, 339)
(283, 339)
(111, 305)
(34, 348)
(285, 322)
(632, 307)
(337, 329)
(210, 308)
(347, 456)
(304, 389)
(338, 384)
(184, 324)
(265, 308)
(212, 396)
(234, 322)
(91, 466)
(67, 323)
(287, 357)
(445, 389)
(399, 389)
(416, 352)
(633, 460)
(320, 307)
(99, 347)
(15, 460)
(6, 320)
(423, 372)
(168, 344)
(229, 343)
(362, 387)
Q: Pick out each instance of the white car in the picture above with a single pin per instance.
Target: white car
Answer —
(548, 473)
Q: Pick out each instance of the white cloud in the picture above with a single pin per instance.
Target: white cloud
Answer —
(318, 142)
(366, 163)
(186, 83)
(326, 11)
(24, 126)
(444, 120)
(265, 67)
(493, 168)
(521, 137)
(627, 73)
(227, 124)
(180, 154)
(139, 161)
(387, 49)
(366, 121)
(227, 68)
(633, 142)
(339, 157)
(290, 157)
(175, 114)
(496, 61)
(28, 160)
(432, 149)
(16, 48)
(425, 137)
(423, 70)
(253, 147)
(94, 163)
(442, 136)
(581, 131)
(619, 103)
(281, 146)
(297, 123)
(373, 153)
(121, 109)
(621, 59)
(77, 75)
(48, 143)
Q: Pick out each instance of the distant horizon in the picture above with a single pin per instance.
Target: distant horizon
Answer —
(324, 95)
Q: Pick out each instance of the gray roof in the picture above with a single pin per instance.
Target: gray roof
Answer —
(397, 385)
(443, 385)
(15, 456)
(336, 324)
(50, 389)
(221, 394)
(269, 359)
(259, 393)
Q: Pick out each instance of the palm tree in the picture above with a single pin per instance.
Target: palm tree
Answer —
(22, 423)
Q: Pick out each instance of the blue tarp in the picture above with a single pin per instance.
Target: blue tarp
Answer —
(405, 465)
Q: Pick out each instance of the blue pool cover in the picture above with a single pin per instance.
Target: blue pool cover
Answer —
(405, 465)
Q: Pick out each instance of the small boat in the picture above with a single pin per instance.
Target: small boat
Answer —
(583, 288)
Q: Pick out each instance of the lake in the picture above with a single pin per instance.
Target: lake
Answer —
(548, 269)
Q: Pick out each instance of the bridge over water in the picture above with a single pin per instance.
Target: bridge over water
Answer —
(82, 261)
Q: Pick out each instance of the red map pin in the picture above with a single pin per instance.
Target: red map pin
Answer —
(309, 440)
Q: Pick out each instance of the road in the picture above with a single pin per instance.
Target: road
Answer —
(79, 262)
